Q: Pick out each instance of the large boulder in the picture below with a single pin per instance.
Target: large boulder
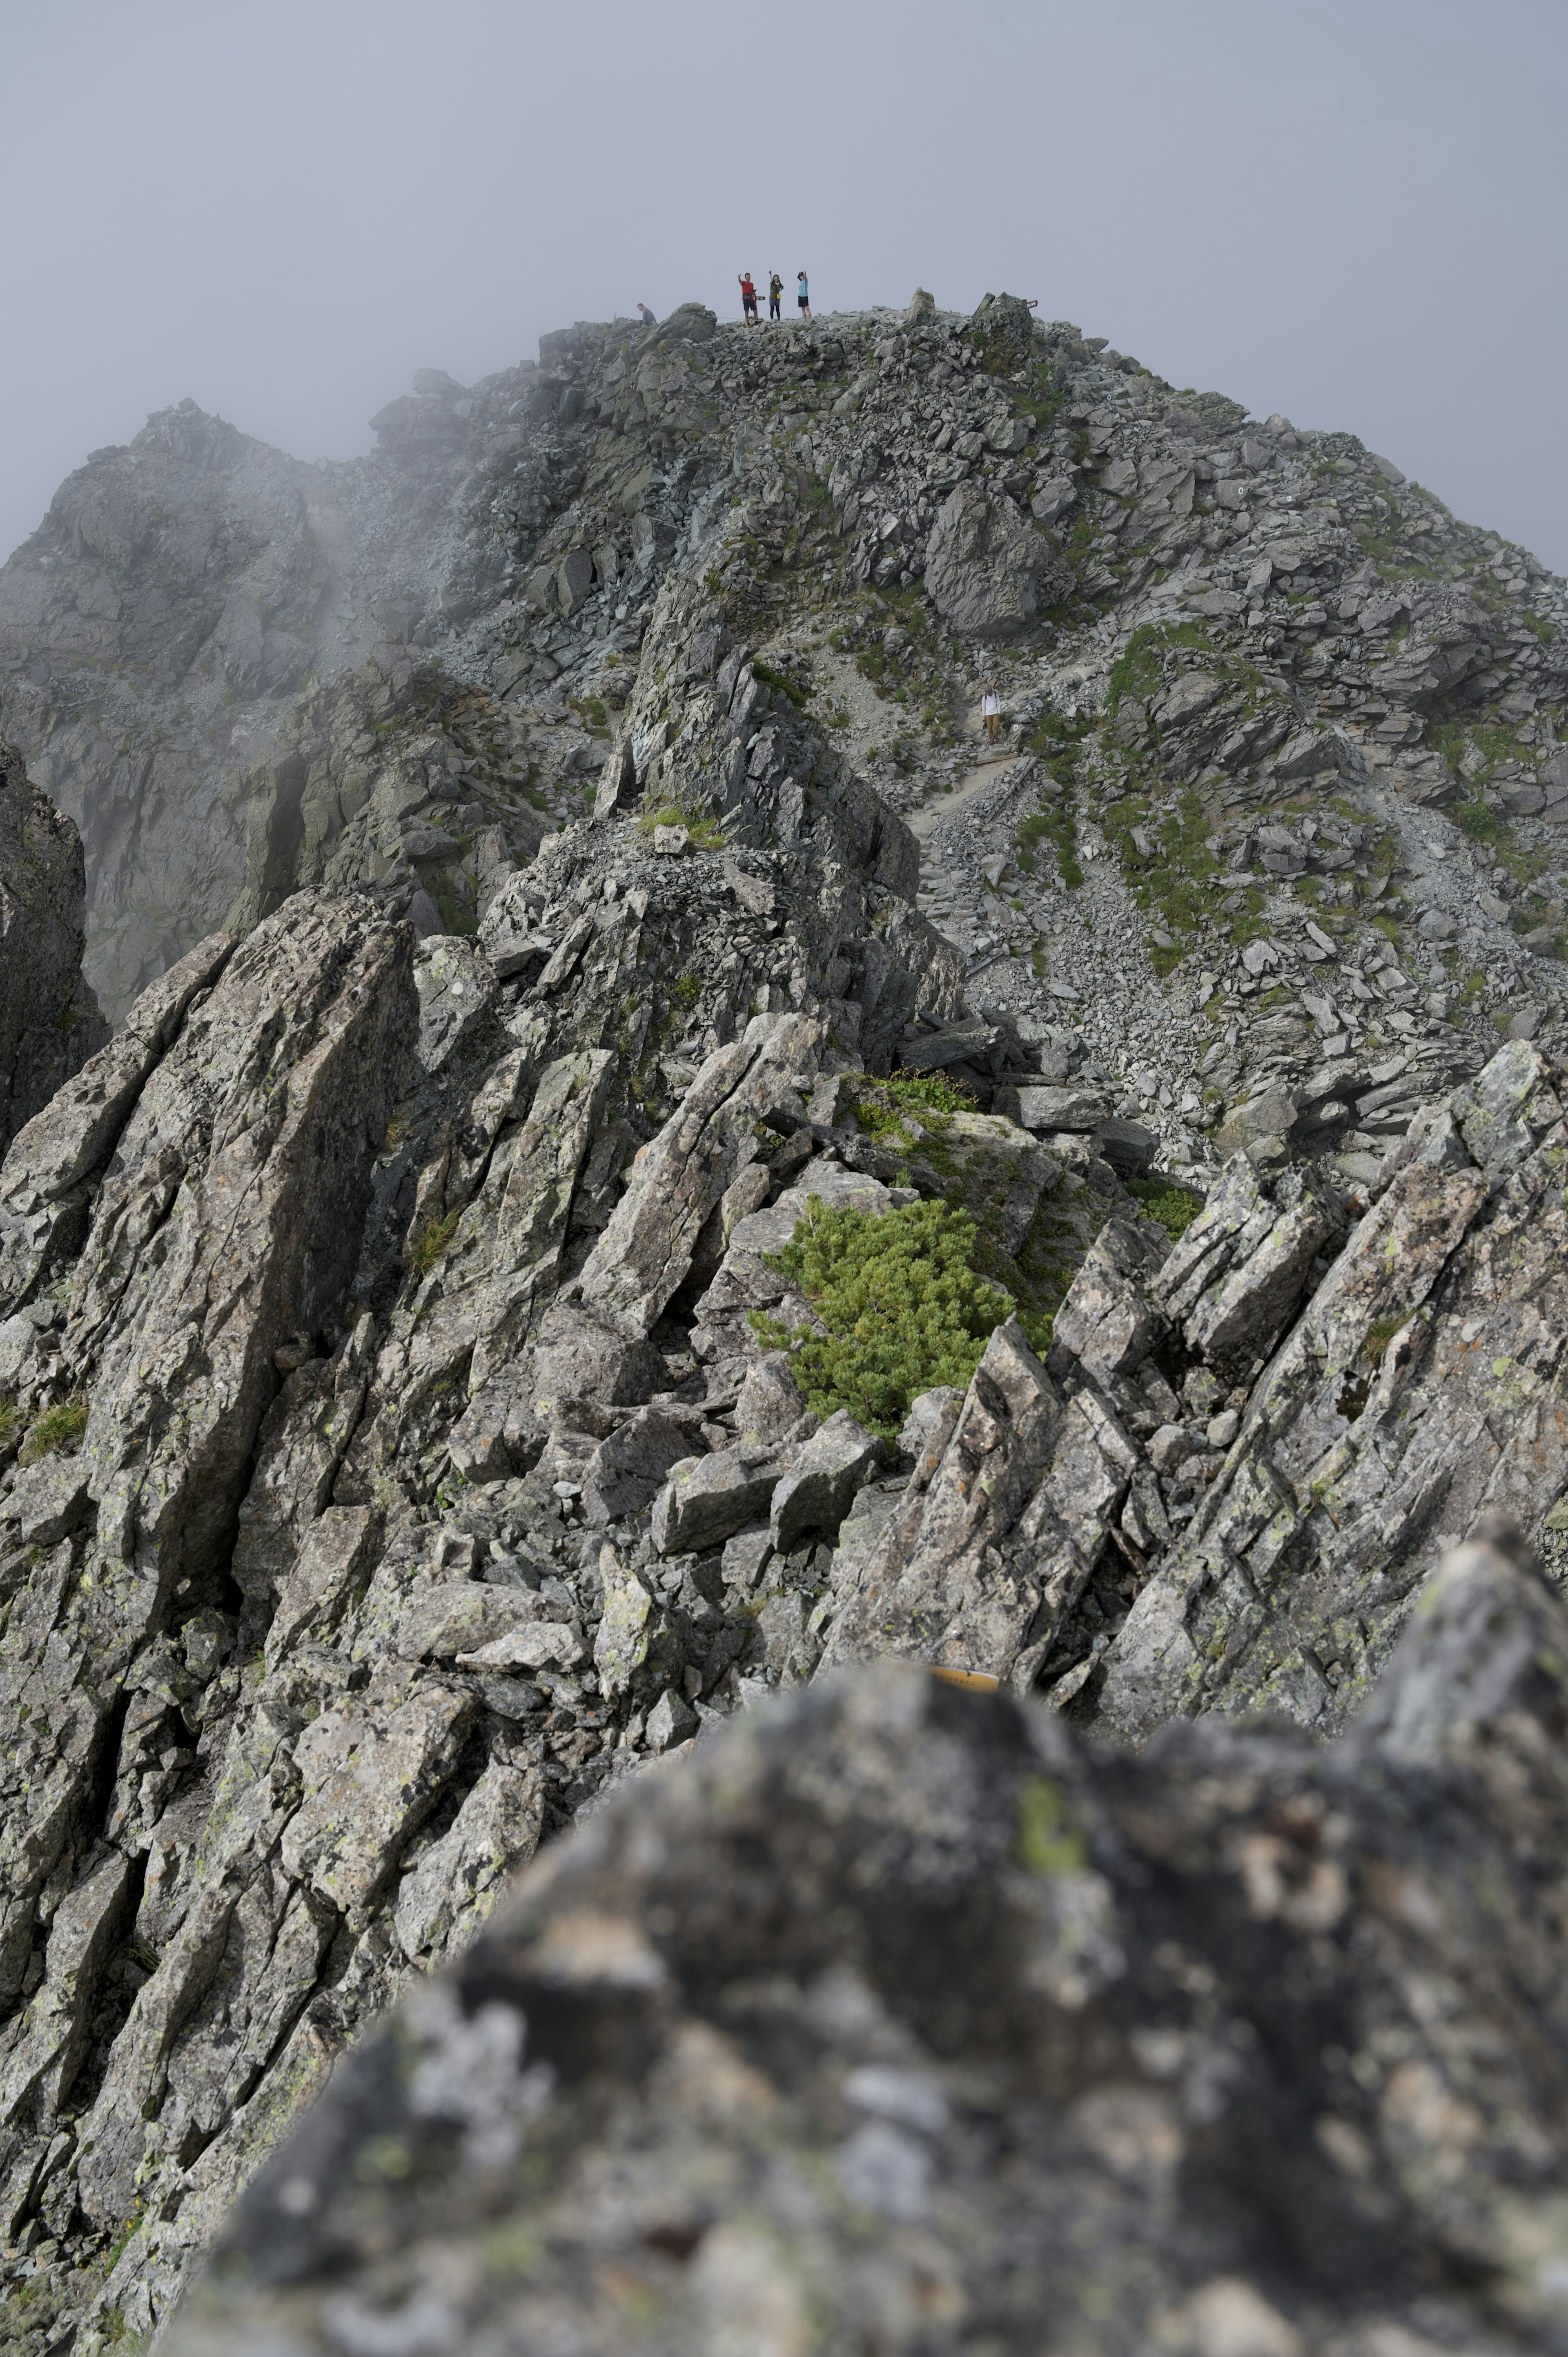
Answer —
(984, 565)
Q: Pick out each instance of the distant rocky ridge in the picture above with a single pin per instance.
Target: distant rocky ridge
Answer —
(1286, 729)
(397, 1453)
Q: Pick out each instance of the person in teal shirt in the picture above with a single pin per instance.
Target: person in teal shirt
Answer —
(802, 299)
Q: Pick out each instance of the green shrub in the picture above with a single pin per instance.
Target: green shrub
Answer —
(1174, 1207)
(904, 1306)
(55, 1429)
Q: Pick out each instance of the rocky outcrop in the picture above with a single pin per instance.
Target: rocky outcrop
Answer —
(183, 569)
(439, 1523)
(901, 2006)
(351, 1321)
(50, 1022)
(221, 1209)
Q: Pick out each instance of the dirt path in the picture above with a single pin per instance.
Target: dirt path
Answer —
(925, 822)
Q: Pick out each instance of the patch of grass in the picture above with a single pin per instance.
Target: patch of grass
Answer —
(591, 709)
(1379, 1334)
(1538, 626)
(132, 2226)
(781, 684)
(1139, 669)
(431, 1242)
(904, 1306)
(933, 1092)
(879, 1113)
(56, 1431)
(1479, 822)
(1176, 882)
(1058, 828)
(7, 1423)
(1173, 1206)
(1499, 741)
(699, 822)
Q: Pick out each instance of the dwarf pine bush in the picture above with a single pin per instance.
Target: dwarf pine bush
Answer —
(904, 1306)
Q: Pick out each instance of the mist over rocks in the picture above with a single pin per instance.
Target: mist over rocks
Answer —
(543, 872)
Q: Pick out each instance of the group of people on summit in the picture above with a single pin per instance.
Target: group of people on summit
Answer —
(748, 299)
(775, 297)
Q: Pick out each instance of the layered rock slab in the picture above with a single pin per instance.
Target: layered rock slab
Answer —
(222, 1226)
(1421, 1388)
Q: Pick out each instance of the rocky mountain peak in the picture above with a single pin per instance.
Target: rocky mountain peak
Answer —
(659, 1190)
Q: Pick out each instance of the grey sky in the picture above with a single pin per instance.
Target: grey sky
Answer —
(1351, 211)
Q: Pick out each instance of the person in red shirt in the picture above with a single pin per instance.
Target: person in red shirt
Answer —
(748, 298)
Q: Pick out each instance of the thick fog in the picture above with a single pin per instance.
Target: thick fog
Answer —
(1352, 212)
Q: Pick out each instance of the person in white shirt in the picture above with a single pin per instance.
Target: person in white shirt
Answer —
(991, 713)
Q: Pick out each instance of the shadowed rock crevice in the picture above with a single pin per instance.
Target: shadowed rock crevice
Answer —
(49, 1021)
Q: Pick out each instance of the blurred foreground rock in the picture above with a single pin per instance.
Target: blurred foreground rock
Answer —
(901, 2017)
